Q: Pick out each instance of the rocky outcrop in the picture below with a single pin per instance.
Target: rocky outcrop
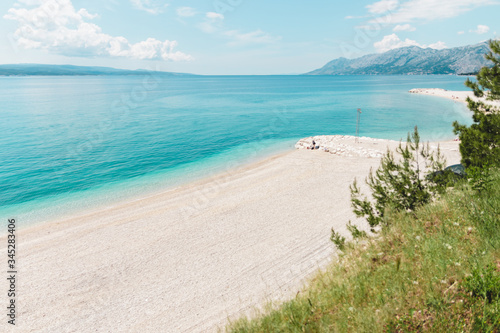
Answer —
(344, 145)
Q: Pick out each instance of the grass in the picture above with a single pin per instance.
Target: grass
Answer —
(434, 270)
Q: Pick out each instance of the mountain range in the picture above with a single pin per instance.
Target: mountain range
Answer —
(57, 70)
(412, 60)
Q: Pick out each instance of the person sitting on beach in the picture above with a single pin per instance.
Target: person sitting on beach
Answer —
(313, 145)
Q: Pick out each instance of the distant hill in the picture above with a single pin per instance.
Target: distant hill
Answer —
(412, 60)
(58, 70)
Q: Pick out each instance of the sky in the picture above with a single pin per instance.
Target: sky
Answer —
(233, 37)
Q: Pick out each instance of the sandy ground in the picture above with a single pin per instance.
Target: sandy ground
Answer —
(188, 259)
(459, 96)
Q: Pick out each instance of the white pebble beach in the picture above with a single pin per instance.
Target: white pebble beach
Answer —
(458, 96)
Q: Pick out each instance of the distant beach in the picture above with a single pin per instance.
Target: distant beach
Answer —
(458, 96)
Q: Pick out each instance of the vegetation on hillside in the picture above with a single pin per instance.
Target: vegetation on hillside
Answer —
(436, 270)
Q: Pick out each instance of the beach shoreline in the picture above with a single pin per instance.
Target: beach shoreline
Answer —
(193, 257)
(457, 96)
(68, 206)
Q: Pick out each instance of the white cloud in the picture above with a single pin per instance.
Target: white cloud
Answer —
(383, 6)
(150, 6)
(186, 12)
(437, 46)
(391, 42)
(428, 10)
(404, 27)
(209, 27)
(254, 37)
(84, 13)
(214, 16)
(461, 32)
(351, 17)
(212, 23)
(481, 29)
(55, 26)
(31, 2)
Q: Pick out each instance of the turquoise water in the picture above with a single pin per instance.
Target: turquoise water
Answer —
(72, 143)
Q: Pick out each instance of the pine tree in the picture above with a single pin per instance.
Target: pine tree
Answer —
(399, 183)
(480, 143)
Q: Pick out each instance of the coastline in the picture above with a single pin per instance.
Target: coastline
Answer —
(457, 96)
(192, 257)
(69, 205)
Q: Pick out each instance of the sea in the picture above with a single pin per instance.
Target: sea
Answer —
(70, 144)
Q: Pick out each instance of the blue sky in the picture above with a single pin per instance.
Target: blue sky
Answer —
(233, 36)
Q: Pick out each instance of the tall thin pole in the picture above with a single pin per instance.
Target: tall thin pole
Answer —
(358, 120)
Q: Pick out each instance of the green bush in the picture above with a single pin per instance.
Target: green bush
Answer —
(355, 232)
(484, 282)
(479, 178)
(338, 240)
(399, 184)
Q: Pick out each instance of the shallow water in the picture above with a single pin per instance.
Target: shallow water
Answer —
(74, 143)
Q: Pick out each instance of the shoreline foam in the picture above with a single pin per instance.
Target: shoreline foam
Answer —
(188, 259)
